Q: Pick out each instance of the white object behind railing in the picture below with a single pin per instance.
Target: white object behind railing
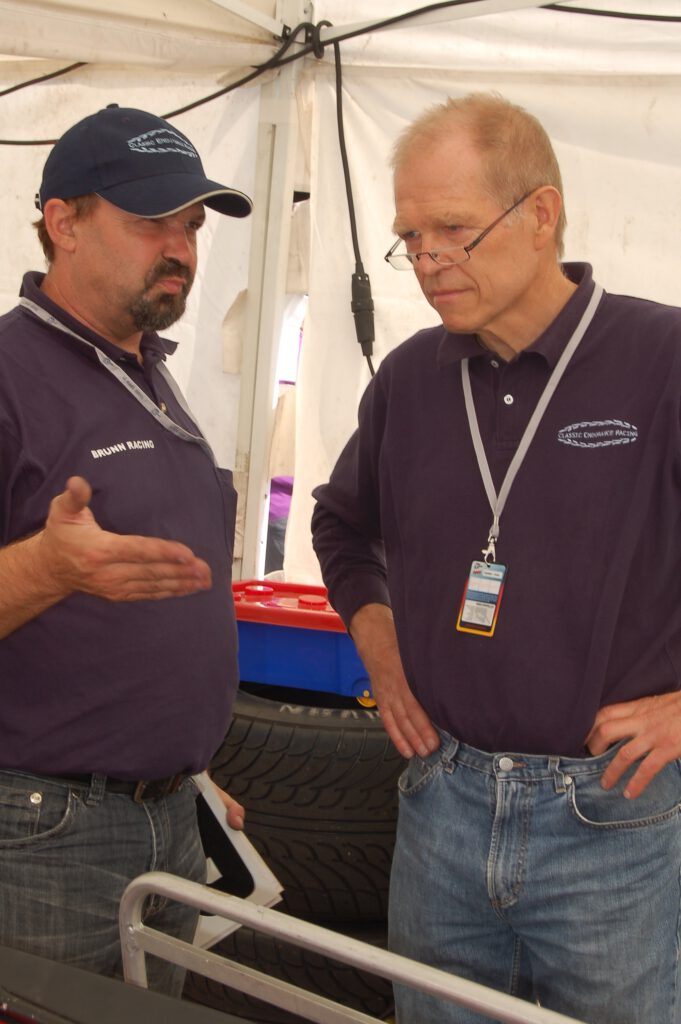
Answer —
(266, 888)
(138, 939)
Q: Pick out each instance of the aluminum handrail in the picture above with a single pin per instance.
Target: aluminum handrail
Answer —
(137, 939)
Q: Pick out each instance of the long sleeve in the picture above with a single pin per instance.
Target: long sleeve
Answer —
(346, 527)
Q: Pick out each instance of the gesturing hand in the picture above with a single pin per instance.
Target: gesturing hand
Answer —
(79, 555)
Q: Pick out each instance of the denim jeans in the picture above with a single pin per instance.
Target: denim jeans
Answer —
(67, 853)
(522, 873)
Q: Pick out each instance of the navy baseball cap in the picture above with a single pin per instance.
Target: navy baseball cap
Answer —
(138, 162)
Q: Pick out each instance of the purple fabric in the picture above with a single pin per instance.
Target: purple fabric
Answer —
(139, 690)
(591, 534)
(281, 489)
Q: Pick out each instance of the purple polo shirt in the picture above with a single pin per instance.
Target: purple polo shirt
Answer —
(591, 612)
(135, 690)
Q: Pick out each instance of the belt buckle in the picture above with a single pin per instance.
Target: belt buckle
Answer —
(156, 789)
(140, 788)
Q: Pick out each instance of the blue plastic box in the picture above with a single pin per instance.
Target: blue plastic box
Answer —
(289, 635)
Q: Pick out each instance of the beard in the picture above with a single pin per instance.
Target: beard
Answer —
(159, 312)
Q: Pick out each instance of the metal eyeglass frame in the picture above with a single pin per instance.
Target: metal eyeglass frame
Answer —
(414, 257)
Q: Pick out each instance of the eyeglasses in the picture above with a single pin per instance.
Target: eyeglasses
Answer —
(450, 255)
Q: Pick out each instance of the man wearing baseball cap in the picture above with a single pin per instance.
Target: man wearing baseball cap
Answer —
(117, 629)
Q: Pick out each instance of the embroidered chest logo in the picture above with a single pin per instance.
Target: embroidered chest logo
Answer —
(598, 433)
(119, 447)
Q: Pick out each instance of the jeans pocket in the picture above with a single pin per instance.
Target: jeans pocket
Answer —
(600, 808)
(419, 773)
(31, 812)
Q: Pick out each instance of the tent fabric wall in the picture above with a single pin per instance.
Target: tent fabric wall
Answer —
(532, 40)
(197, 34)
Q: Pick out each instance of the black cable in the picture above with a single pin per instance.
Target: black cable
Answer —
(629, 15)
(362, 304)
(43, 78)
(385, 23)
(407, 15)
(273, 62)
(314, 46)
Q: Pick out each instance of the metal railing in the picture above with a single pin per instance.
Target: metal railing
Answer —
(137, 939)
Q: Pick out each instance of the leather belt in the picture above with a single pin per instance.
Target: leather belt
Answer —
(139, 789)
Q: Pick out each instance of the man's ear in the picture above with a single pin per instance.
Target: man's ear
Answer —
(60, 218)
(546, 206)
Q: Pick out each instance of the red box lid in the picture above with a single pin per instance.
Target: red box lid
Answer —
(285, 604)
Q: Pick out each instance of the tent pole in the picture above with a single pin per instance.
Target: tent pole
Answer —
(252, 15)
(273, 207)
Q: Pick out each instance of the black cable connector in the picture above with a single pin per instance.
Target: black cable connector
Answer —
(362, 306)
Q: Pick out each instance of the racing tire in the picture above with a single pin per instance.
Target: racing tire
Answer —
(320, 789)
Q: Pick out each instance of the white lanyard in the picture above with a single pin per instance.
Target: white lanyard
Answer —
(128, 382)
(497, 502)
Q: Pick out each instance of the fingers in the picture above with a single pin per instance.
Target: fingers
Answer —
(373, 630)
(150, 551)
(622, 763)
(74, 498)
(652, 727)
(405, 721)
(608, 726)
(78, 492)
(409, 728)
(649, 767)
(235, 815)
(235, 811)
(142, 568)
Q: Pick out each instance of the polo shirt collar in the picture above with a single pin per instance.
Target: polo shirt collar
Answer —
(454, 348)
(152, 346)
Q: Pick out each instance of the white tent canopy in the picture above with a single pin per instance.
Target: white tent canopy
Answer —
(608, 91)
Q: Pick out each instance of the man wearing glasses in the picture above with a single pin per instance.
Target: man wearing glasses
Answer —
(500, 536)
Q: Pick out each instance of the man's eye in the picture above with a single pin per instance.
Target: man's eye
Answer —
(411, 240)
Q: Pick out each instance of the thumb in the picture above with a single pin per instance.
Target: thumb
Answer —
(75, 497)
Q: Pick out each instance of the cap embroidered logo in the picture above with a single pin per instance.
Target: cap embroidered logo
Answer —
(160, 140)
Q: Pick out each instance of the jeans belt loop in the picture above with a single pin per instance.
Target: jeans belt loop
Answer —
(96, 792)
(558, 777)
(449, 756)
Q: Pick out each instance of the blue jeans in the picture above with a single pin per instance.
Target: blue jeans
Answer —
(522, 873)
(67, 853)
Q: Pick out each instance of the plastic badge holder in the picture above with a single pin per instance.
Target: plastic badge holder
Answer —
(289, 635)
(234, 865)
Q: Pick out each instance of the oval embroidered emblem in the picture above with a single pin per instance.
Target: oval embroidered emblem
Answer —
(598, 433)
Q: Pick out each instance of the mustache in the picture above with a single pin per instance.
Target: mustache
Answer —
(168, 268)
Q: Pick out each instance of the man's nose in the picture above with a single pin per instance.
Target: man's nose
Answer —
(426, 265)
(179, 242)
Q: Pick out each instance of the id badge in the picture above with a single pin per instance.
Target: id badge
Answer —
(481, 599)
